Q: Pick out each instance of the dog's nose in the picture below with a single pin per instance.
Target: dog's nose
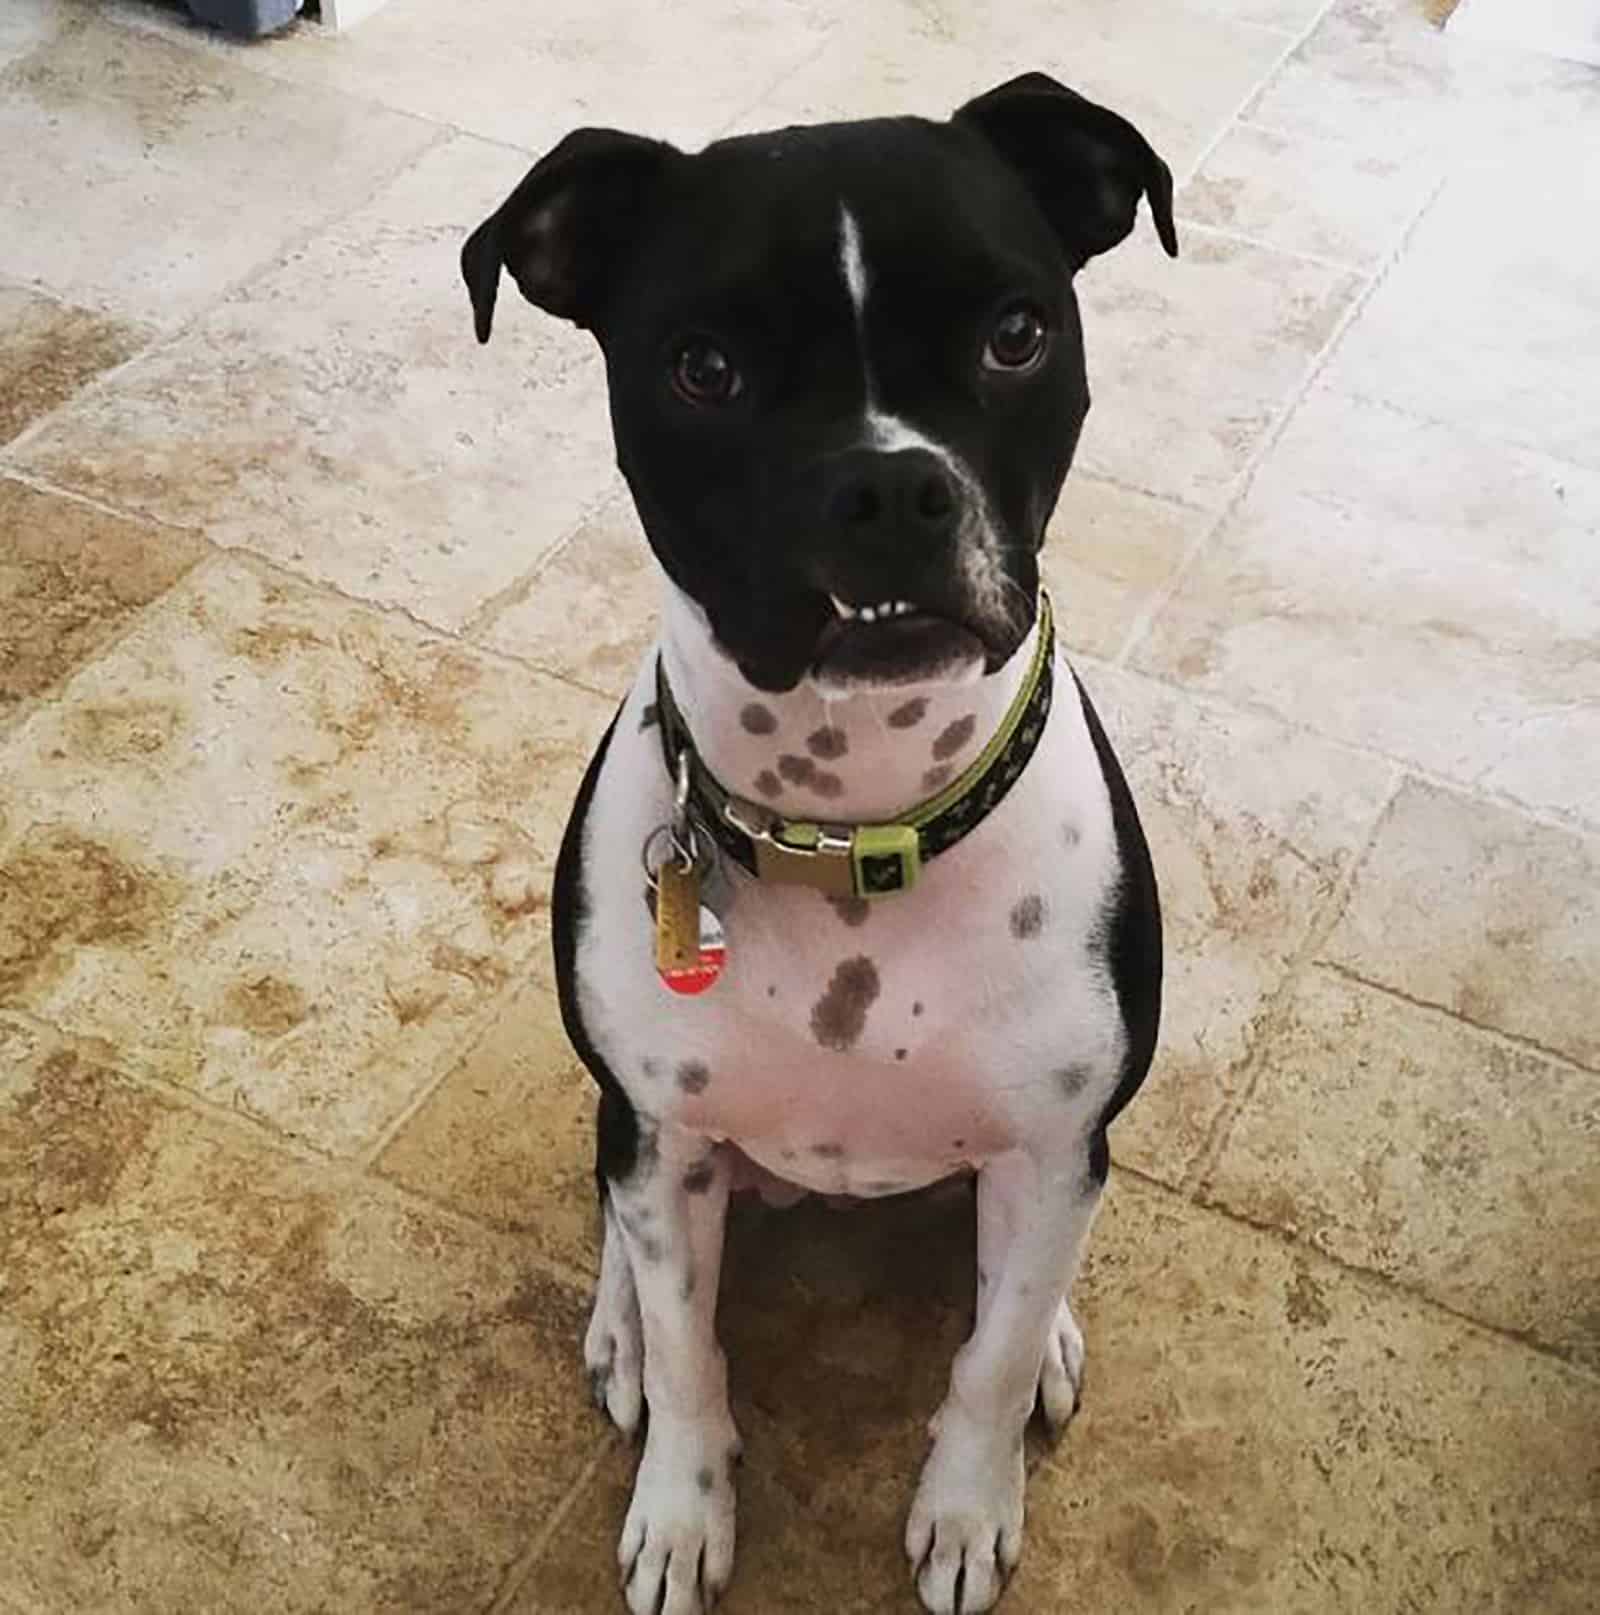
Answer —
(906, 494)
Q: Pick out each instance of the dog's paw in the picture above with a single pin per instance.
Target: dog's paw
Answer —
(676, 1552)
(613, 1347)
(1061, 1373)
(964, 1536)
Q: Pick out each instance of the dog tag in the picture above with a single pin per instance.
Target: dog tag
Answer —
(690, 946)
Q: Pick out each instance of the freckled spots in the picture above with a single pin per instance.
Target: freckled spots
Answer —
(698, 1178)
(1071, 835)
(647, 1153)
(768, 783)
(705, 1480)
(649, 1248)
(786, 1155)
(958, 1143)
(936, 777)
(827, 743)
(826, 784)
(649, 1064)
(757, 719)
(953, 737)
(1072, 1080)
(1027, 917)
(649, 717)
(731, 1463)
(983, 1278)
(694, 1076)
(852, 910)
(900, 1054)
(909, 714)
(797, 770)
(840, 1014)
(828, 1152)
(772, 989)
(916, 1008)
(687, 1288)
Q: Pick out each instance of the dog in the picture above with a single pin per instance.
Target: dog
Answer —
(854, 897)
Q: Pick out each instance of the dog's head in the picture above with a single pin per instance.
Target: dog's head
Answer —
(845, 362)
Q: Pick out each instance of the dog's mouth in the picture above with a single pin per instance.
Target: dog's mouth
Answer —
(894, 642)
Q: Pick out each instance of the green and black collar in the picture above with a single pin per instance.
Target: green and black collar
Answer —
(865, 860)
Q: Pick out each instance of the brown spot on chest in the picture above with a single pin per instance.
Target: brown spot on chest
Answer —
(756, 719)
(768, 783)
(953, 737)
(908, 714)
(827, 743)
(1027, 917)
(840, 1015)
(852, 910)
(694, 1076)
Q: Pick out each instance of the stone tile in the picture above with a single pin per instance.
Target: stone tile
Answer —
(677, 74)
(590, 612)
(1484, 912)
(1403, 1142)
(1250, 826)
(289, 1390)
(1262, 1431)
(135, 129)
(49, 350)
(1405, 586)
(1329, 199)
(1481, 328)
(283, 852)
(338, 416)
(508, 1137)
(72, 577)
(27, 24)
(1178, 71)
(1109, 552)
(1190, 362)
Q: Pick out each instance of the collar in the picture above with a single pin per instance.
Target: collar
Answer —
(864, 860)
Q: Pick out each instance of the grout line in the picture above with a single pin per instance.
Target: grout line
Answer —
(1245, 480)
(1387, 1285)
(1240, 238)
(1498, 1034)
(523, 1565)
(1273, 1015)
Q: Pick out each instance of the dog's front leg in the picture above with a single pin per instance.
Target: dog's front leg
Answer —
(964, 1536)
(676, 1552)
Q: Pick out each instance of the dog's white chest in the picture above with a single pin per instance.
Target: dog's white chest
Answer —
(858, 1048)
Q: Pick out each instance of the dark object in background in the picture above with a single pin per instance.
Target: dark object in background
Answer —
(252, 18)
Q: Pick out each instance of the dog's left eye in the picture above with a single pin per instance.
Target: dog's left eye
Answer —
(1017, 341)
(703, 374)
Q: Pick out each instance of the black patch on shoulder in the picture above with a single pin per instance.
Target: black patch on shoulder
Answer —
(694, 1076)
(1027, 917)
(840, 1014)
(953, 737)
(827, 742)
(698, 1178)
(758, 720)
(1129, 937)
(909, 713)
(852, 910)
(768, 783)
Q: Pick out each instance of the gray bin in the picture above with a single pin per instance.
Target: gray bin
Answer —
(252, 18)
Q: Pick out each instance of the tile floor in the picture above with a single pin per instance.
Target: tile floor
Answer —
(310, 609)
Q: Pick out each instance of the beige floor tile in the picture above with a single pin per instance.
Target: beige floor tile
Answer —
(1406, 586)
(1329, 199)
(1191, 361)
(282, 851)
(289, 1391)
(1250, 826)
(1109, 552)
(1261, 1431)
(194, 171)
(499, 70)
(1178, 71)
(27, 24)
(49, 350)
(1486, 328)
(1404, 1142)
(1484, 912)
(508, 1137)
(338, 416)
(71, 577)
(590, 613)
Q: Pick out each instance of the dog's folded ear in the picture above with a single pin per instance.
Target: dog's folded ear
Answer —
(1085, 166)
(563, 230)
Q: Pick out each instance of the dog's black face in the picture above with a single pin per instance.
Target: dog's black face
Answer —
(845, 363)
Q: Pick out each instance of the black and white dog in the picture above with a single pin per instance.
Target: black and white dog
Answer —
(896, 919)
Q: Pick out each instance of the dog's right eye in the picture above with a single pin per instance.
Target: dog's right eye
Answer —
(703, 374)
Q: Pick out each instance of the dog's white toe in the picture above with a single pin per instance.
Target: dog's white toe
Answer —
(964, 1536)
(613, 1347)
(676, 1551)
(1061, 1373)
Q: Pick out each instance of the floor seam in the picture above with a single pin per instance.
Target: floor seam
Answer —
(1243, 239)
(524, 1564)
(1498, 1034)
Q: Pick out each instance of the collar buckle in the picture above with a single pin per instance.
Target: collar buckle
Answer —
(871, 860)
